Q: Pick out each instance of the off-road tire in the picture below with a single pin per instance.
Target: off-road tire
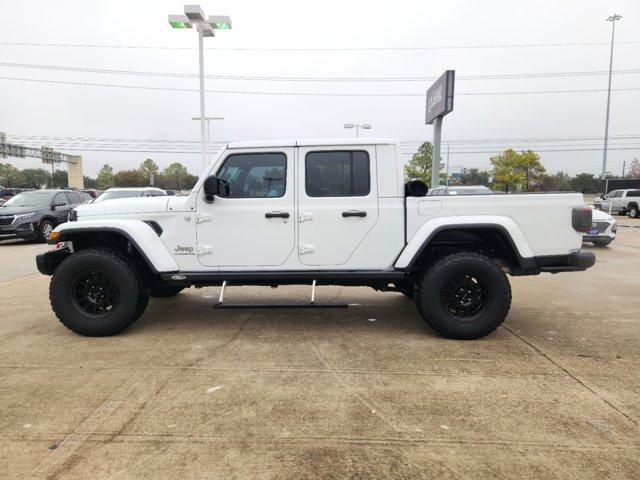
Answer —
(42, 230)
(434, 304)
(602, 242)
(163, 291)
(132, 294)
(633, 212)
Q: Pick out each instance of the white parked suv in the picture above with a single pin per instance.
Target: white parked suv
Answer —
(325, 212)
(129, 192)
(622, 202)
(603, 229)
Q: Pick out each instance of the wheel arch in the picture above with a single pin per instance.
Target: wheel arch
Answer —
(502, 239)
(132, 235)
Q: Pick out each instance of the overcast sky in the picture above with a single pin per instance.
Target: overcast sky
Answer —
(285, 39)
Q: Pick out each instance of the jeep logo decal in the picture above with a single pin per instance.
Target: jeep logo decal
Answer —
(180, 250)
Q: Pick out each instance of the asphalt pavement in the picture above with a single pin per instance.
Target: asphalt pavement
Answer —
(367, 392)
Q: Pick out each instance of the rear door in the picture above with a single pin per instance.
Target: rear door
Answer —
(337, 202)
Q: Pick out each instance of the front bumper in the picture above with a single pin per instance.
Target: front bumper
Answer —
(47, 262)
(19, 228)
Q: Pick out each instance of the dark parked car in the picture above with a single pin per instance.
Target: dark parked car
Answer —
(33, 215)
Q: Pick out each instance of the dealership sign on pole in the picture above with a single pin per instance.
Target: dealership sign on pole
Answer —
(439, 103)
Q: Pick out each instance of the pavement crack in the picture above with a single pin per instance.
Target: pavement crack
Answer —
(571, 375)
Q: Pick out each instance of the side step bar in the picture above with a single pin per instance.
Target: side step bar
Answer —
(312, 304)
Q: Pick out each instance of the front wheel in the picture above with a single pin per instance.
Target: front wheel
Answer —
(464, 296)
(633, 212)
(161, 291)
(45, 229)
(96, 293)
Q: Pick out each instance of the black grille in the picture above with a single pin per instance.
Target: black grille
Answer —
(601, 226)
(6, 220)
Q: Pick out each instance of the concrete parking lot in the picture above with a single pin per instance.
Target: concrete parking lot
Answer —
(368, 392)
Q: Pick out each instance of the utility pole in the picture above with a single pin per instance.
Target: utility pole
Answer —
(613, 19)
(447, 180)
(194, 15)
(358, 126)
(624, 164)
(208, 119)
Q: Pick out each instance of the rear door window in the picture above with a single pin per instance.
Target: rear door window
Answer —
(337, 173)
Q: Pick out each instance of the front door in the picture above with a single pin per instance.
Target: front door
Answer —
(253, 225)
(337, 202)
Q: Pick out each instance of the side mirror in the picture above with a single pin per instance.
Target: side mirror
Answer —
(416, 188)
(214, 186)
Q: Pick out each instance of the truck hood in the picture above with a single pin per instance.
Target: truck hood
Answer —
(124, 206)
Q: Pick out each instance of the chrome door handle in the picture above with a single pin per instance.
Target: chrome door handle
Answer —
(354, 213)
(276, 215)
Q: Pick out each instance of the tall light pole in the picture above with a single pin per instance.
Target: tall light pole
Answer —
(613, 19)
(358, 126)
(208, 119)
(194, 15)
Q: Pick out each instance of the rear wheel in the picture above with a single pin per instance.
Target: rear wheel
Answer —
(96, 292)
(633, 212)
(464, 296)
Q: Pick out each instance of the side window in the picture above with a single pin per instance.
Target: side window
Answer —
(73, 198)
(255, 175)
(337, 173)
(60, 199)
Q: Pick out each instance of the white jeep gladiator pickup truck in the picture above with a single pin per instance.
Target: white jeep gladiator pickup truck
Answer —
(326, 212)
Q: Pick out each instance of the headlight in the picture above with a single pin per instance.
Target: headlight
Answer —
(22, 216)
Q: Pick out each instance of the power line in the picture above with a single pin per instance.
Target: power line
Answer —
(324, 49)
(309, 94)
(111, 139)
(497, 150)
(314, 79)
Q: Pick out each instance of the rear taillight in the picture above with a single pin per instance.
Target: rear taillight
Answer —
(581, 219)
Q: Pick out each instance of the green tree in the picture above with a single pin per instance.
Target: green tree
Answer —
(90, 182)
(176, 176)
(585, 183)
(35, 177)
(129, 178)
(507, 170)
(531, 166)
(10, 176)
(475, 176)
(60, 179)
(148, 168)
(419, 166)
(105, 177)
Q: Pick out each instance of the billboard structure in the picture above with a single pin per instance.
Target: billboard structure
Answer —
(439, 103)
(48, 156)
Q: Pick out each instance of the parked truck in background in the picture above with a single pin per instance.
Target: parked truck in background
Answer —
(327, 212)
(621, 202)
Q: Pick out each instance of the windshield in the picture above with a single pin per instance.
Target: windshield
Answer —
(118, 194)
(29, 199)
